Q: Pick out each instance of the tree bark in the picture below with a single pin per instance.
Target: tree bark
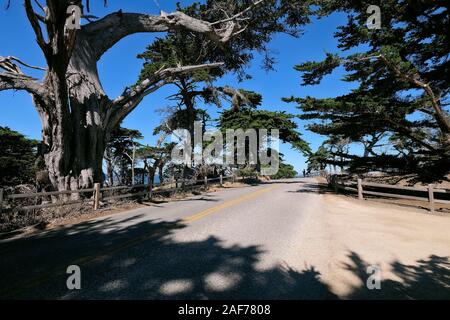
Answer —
(73, 129)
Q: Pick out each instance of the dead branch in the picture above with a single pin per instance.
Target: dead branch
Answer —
(16, 81)
(7, 64)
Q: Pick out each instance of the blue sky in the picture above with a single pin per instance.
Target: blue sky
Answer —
(120, 67)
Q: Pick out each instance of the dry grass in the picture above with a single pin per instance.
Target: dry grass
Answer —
(15, 222)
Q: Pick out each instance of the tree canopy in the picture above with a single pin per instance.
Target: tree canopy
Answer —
(403, 74)
(17, 158)
(250, 118)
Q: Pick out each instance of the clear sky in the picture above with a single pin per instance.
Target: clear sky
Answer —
(120, 67)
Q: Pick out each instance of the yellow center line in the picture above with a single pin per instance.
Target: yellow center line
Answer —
(226, 204)
(128, 244)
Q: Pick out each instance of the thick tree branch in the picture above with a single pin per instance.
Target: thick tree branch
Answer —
(163, 74)
(7, 64)
(40, 5)
(34, 21)
(238, 98)
(15, 81)
(106, 32)
(415, 80)
(130, 98)
(441, 118)
(409, 132)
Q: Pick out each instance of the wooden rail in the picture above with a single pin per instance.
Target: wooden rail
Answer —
(358, 188)
(322, 173)
(98, 197)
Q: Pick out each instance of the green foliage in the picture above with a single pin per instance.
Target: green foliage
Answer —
(258, 26)
(263, 21)
(248, 118)
(318, 160)
(180, 120)
(247, 172)
(254, 99)
(119, 152)
(313, 72)
(177, 49)
(17, 158)
(286, 171)
(122, 140)
(181, 48)
(411, 46)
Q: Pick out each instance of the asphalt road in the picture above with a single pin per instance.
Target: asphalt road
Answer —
(234, 244)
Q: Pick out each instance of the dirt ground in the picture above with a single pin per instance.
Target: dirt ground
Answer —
(410, 246)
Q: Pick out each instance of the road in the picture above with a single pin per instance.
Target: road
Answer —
(283, 240)
(235, 243)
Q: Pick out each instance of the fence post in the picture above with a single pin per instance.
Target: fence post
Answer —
(206, 181)
(1, 200)
(431, 197)
(96, 196)
(221, 181)
(360, 190)
(233, 179)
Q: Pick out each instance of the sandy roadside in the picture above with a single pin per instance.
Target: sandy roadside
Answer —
(411, 248)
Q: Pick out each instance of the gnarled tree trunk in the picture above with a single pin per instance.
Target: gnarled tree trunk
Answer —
(76, 139)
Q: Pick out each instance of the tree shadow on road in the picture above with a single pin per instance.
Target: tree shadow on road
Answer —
(426, 279)
(136, 259)
(144, 261)
(205, 197)
(317, 188)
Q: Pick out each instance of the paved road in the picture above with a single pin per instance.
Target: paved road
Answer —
(235, 243)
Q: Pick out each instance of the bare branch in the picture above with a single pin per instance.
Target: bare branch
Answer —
(162, 74)
(130, 99)
(39, 5)
(7, 64)
(15, 81)
(240, 14)
(34, 21)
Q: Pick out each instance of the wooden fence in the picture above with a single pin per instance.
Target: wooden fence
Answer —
(107, 194)
(313, 174)
(431, 194)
